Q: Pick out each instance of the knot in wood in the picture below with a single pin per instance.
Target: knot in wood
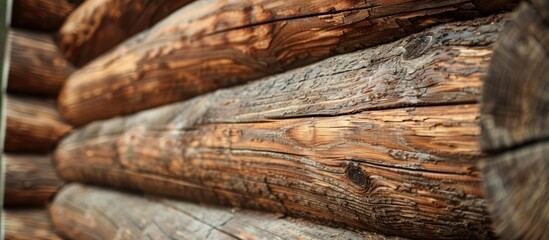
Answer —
(417, 47)
(358, 177)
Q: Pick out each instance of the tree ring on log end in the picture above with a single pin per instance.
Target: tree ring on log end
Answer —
(417, 46)
(358, 177)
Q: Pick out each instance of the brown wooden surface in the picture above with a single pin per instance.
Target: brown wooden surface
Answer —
(515, 100)
(36, 67)
(85, 212)
(98, 25)
(301, 143)
(28, 224)
(517, 184)
(32, 125)
(45, 15)
(214, 44)
(30, 180)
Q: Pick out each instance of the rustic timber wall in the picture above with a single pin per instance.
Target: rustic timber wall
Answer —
(210, 45)
(390, 133)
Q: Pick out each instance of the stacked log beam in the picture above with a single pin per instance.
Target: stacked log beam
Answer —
(98, 25)
(385, 139)
(79, 212)
(44, 15)
(214, 44)
(30, 180)
(28, 224)
(515, 120)
(37, 67)
(33, 125)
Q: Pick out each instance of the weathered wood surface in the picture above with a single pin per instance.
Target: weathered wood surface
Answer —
(516, 97)
(515, 123)
(301, 143)
(517, 185)
(98, 25)
(28, 224)
(84, 212)
(45, 15)
(30, 180)
(214, 44)
(33, 125)
(37, 67)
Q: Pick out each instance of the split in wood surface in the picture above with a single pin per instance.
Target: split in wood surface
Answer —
(32, 125)
(85, 212)
(37, 67)
(30, 180)
(209, 45)
(385, 139)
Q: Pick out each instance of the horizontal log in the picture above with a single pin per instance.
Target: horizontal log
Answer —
(78, 212)
(98, 25)
(32, 125)
(36, 67)
(515, 101)
(27, 224)
(516, 184)
(45, 15)
(215, 44)
(30, 180)
(302, 142)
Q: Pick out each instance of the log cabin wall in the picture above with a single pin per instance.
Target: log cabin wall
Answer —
(415, 138)
(209, 45)
(389, 133)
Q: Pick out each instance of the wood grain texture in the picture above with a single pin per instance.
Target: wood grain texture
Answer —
(98, 25)
(302, 143)
(30, 180)
(28, 224)
(85, 212)
(32, 125)
(516, 97)
(517, 184)
(37, 67)
(215, 44)
(47, 15)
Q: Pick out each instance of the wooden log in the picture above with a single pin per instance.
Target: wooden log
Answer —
(28, 224)
(99, 25)
(33, 125)
(30, 180)
(304, 143)
(84, 212)
(516, 186)
(210, 45)
(45, 15)
(37, 67)
(515, 102)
